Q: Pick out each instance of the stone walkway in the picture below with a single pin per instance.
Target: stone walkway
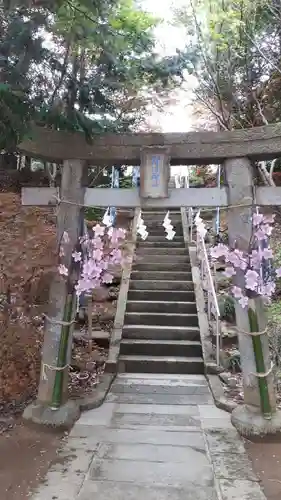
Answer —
(155, 438)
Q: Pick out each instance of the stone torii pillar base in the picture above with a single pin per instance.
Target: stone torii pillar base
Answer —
(249, 421)
(63, 417)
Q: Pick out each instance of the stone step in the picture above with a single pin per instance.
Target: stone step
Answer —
(161, 275)
(150, 332)
(157, 217)
(178, 348)
(158, 227)
(160, 285)
(156, 332)
(161, 244)
(162, 238)
(161, 295)
(158, 223)
(161, 266)
(160, 332)
(155, 230)
(143, 250)
(158, 235)
(157, 210)
(161, 319)
(167, 257)
(160, 211)
(156, 306)
(160, 364)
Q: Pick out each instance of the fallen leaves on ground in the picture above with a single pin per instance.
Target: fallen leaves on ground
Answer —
(27, 263)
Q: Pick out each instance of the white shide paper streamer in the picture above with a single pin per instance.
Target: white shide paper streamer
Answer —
(169, 229)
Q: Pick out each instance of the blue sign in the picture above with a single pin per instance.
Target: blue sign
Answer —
(155, 174)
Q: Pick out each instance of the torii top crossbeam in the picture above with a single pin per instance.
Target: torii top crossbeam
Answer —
(191, 148)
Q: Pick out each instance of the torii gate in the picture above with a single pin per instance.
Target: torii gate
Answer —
(154, 153)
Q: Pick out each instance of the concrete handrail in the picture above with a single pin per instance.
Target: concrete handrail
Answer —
(206, 276)
(112, 361)
(208, 284)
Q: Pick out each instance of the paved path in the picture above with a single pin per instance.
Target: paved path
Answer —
(155, 438)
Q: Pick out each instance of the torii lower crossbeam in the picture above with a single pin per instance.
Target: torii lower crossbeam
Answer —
(130, 198)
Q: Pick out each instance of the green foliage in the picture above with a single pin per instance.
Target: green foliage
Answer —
(15, 113)
(227, 308)
(94, 214)
(274, 338)
(277, 256)
(126, 182)
(79, 65)
(274, 312)
(20, 49)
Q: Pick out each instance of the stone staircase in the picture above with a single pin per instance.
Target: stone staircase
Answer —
(160, 332)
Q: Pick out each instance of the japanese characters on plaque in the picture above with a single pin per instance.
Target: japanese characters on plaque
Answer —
(155, 170)
(154, 173)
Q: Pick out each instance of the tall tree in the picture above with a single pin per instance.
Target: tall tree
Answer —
(78, 66)
(233, 48)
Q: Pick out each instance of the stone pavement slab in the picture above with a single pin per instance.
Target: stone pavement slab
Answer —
(106, 490)
(100, 416)
(184, 390)
(150, 452)
(213, 418)
(181, 379)
(159, 399)
(186, 422)
(155, 438)
(146, 409)
(196, 471)
(144, 435)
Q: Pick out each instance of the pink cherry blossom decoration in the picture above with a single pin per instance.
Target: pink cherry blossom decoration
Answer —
(229, 272)
(77, 256)
(267, 253)
(243, 301)
(255, 267)
(99, 230)
(251, 279)
(63, 270)
(237, 292)
(257, 219)
(95, 256)
(218, 251)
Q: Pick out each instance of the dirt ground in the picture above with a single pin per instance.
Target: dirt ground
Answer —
(25, 456)
(266, 459)
(266, 453)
